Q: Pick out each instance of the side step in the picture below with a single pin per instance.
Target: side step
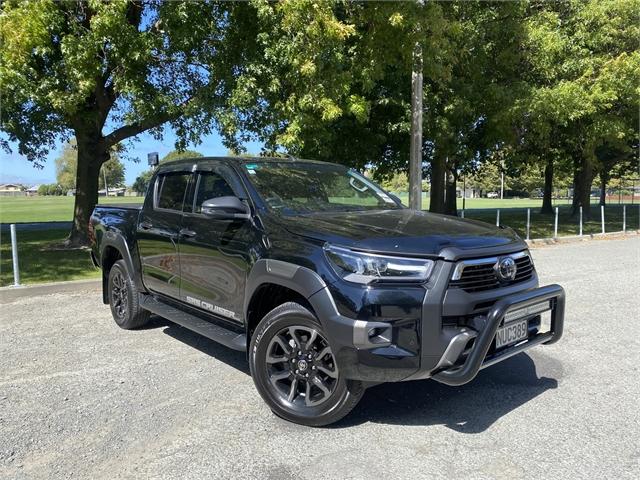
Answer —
(226, 337)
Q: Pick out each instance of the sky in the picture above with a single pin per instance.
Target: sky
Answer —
(17, 169)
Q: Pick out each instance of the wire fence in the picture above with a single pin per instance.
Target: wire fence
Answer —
(531, 224)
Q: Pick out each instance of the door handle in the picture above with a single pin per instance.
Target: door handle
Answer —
(146, 225)
(187, 233)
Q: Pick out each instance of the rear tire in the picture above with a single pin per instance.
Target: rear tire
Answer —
(295, 371)
(124, 299)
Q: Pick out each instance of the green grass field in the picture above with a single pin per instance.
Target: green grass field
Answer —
(42, 260)
(46, 209)
(60, 209)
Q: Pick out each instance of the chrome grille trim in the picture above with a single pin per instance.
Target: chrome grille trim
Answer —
(478, 274)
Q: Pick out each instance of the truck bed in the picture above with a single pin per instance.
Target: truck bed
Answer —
(126, 206)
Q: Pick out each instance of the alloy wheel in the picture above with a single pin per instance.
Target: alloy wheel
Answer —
(301, 368)
(119, 295)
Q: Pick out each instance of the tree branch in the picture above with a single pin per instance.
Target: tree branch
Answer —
(137, 128)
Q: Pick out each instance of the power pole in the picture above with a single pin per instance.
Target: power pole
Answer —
(501, 179)
(415, 153)
(104, 177)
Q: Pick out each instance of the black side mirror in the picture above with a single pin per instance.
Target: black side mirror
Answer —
(230, 208)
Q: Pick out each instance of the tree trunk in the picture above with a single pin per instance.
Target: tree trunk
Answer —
(92, 153)
(547, 206)
(436, 202)
(583, 178)
(450, 207)
(604, 179)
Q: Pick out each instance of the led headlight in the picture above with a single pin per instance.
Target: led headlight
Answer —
(365, 268)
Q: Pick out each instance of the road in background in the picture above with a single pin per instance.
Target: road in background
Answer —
(81, 398)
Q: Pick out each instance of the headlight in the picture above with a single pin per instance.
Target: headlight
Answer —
(367, 268)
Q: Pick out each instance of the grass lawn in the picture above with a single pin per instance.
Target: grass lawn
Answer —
(46, 209)
(40, 261)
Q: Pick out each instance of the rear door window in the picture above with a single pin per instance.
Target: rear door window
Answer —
(171, 191)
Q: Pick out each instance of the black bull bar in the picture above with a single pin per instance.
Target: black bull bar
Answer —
(477, 357)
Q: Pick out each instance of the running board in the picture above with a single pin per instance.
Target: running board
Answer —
(226, 337)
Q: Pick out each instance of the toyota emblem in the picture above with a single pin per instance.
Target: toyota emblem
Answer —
(506, 269)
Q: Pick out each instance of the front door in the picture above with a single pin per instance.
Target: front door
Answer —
(158, 232)
(214, 253)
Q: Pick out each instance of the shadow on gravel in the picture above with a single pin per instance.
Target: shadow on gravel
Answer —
(233, 358)
(470, 408)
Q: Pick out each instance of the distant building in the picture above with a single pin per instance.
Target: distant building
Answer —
(32, 191)
(11, 190)
(113, 192)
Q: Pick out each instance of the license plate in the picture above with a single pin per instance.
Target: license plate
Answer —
(511, 333)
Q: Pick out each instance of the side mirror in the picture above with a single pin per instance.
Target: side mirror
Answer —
(225, 208)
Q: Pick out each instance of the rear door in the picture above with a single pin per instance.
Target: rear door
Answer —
(215, 254)
(158, 232)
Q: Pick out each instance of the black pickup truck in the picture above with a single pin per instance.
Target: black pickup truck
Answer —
(326, 281)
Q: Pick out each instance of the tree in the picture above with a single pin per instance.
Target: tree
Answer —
(142, 182)
(80, 68)
(583, 68)
(113, 172)
(178, 154)
(67, 167)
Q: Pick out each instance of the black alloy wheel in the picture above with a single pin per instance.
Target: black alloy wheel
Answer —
(301, 367)
(119, 295)
(296, 371)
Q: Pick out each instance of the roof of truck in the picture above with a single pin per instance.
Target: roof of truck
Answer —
(240, 160)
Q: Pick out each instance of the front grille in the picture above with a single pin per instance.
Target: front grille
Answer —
(479, 275)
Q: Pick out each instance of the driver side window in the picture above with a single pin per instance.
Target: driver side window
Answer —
(211, 185)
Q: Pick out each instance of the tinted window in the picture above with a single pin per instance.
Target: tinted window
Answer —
(211, 185)
(172, 190)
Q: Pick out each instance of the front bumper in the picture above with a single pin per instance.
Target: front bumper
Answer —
(392, 334)
(477, 358)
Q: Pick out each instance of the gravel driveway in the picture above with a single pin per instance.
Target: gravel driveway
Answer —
(80, 398)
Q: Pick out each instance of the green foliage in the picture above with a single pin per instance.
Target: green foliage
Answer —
(67, 168)
(142, 182)
(397, 183)
(512, 83)
(113, 172)
(177, 155)
(52, 189)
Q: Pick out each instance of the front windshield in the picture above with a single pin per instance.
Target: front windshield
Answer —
(304, 187)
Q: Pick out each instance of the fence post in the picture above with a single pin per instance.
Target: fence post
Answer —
(555, 225)
(462, 213)
(14, 255)
(580, 220)
(498, 218)
(624, 219)
(602, 217)
(528, 222)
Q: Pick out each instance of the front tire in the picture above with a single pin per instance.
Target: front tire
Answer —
(295, 370)
(124, 299)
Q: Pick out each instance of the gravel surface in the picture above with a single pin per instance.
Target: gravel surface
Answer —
(80, 398)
